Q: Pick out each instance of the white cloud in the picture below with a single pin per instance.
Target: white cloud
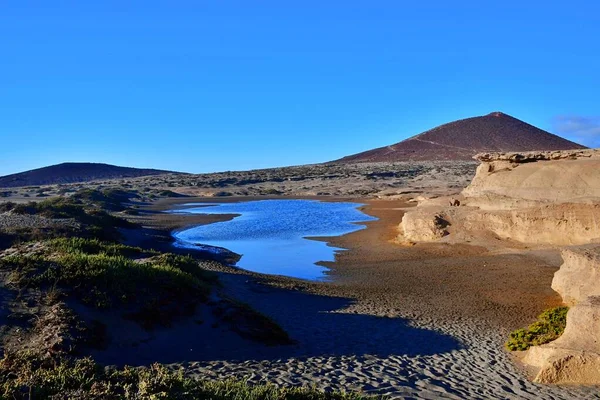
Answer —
(583, 130)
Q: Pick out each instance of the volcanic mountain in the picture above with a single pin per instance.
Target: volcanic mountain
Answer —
(462, 139)
(74, 172)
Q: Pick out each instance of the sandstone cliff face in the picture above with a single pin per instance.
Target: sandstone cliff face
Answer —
(579, 276)
(575, 356)
(540, 198)
(553, 224)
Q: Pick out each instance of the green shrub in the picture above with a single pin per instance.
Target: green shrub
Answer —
(549, 326)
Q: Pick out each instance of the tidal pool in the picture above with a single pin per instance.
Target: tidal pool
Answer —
(271, 235)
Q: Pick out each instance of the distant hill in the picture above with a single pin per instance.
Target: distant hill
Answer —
(73, 173)
(462, 139)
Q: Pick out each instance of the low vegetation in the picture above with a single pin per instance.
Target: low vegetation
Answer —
(155, 287)
(27, 376)
(108, 199)
(93, 221)
(82, 262)
(549, 326)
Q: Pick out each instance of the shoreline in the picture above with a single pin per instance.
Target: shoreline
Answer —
(417, 322)
(404, 268)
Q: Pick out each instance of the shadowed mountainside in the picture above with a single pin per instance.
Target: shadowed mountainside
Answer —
(462, 139)
(73, 173)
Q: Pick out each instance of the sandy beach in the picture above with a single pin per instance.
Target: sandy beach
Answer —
(423, 321)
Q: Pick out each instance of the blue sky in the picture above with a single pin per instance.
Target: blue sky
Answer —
(204, 86)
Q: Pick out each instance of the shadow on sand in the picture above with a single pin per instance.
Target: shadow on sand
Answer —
(313, 321)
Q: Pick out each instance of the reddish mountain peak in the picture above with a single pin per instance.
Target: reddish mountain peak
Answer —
(462, 139)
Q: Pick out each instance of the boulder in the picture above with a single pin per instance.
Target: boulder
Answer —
(423, 225)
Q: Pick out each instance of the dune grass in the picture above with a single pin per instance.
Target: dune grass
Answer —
(107, 199)
(95, 222)
(79, 245)
(156, 287)
(26, 376)
(549, 326)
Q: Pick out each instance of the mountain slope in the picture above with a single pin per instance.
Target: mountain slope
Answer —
(462, 139)
(72, 173)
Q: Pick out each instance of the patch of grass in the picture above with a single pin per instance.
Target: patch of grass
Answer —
(153, 290)
(96, 223)
(95, 246)
(27, 376)
(549, 326)
(104, 281)
(59, 207)
(108, 199)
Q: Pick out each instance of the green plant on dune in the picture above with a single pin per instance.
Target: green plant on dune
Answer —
(96, 246)
(549, 326)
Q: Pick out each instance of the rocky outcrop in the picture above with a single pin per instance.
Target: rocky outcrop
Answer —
(423, 225)
(537, 198)
(550, 197)
(530, 156)
(575, 356)
(514, 180)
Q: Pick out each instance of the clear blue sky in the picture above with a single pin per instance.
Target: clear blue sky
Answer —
(224, 85)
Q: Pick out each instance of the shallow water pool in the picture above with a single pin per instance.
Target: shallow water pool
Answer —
(271, 235)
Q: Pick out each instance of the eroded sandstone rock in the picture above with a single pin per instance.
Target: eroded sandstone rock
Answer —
(502, 182)
(554, 224)
(423, 225)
